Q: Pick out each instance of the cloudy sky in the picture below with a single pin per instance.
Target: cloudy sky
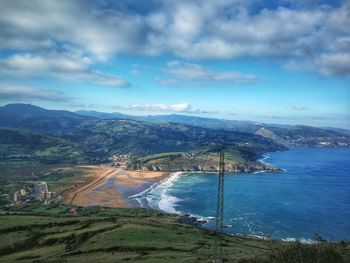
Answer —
(268, 61)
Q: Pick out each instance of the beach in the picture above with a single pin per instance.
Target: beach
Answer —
(112, 187)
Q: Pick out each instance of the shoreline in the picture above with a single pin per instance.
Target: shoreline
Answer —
(121, 188)
(112, 187)
(143, 198)
(130, 195)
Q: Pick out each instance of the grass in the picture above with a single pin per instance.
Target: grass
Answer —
(137, 235)
(61, 180)
(8, 238)
(134, 234)
(23, 170)
(57, 176)
(175, 161)
(24, 221)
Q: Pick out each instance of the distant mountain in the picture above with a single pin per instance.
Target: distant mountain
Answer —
(34, 118)
(176, 118)
(287, 135)
(301, 135)
(97, 137)
(344, 131)
(144, 138)
(242, 126)
(104, 115)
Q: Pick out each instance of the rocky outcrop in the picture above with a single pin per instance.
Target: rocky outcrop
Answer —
(231, 168)
(273, 136)
(191, 220)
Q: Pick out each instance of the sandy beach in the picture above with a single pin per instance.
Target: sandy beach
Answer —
(111, 187)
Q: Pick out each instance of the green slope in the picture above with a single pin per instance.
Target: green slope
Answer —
(23, 144)
(93, 141)
(137, 235)
(69, 137)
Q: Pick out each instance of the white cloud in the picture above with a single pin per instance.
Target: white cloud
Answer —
(57, 21)
(334, 64)
(69, 66)
(195, 74)
(30, 64)
(224, 29)
(28, 93)
(97, 78)
(162, 107)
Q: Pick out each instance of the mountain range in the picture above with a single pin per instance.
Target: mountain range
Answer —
(288, 135)
(28, 131)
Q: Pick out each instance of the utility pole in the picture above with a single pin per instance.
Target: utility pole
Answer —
(218, 249)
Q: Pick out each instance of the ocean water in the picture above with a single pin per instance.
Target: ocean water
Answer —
(311, 196)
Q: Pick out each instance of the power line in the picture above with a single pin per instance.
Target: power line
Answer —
(218, 249)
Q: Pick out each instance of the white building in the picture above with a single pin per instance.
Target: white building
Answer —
(40, 187)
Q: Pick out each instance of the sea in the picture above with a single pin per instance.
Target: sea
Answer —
(311, 196)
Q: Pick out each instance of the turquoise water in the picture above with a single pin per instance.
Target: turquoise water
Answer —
(311, 196)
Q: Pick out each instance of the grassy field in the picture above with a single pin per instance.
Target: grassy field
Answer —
(207, 159)
(176, 161)
(52, 234)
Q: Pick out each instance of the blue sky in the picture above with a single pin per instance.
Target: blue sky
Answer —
(285, 62)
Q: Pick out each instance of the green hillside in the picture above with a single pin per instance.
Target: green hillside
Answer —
(61, 136)
(137, 235)
(38, 119)
(294, 135)
(144, 138)
(169, 142)
(206, 159)
(23, 144)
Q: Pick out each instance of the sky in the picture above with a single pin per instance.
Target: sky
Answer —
(277, 61)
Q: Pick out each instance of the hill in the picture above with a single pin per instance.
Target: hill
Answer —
(187, 140)
(287, 135)
(25, 145)
(38, 119)
(70, 234)
(305, 136)
(105, 138)
(96, 140)
(57, 122)
(105, 115)
(243, 126)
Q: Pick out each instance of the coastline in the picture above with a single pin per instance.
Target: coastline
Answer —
(160, 187)
(201, 220)
(165, 203)
(111, 187)
(120, 188)
(133, 185)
